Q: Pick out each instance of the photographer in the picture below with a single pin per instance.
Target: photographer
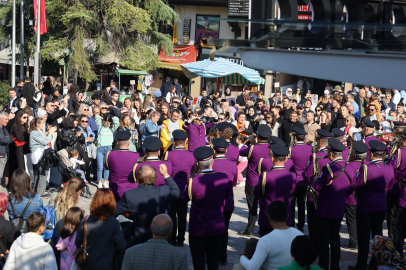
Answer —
(227, 110)
(276, 99)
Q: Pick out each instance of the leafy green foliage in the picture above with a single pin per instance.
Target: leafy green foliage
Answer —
(4, 86)
(85, 31)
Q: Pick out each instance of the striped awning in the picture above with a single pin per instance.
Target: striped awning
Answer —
(238, 79)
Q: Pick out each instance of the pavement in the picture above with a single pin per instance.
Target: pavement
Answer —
(238, 223)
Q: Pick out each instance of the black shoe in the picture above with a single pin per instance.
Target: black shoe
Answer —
(354, 267)
(351, 247)
(245, 233)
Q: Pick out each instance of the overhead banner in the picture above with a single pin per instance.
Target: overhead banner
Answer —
(181, 55)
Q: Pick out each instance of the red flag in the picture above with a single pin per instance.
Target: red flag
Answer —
(43, 26)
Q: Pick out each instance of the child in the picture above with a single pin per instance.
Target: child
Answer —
(242, 161)
(303, 253)
(66, 243)
(29, 251)
(74, 154)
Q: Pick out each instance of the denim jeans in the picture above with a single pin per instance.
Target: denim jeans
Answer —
(101, 157)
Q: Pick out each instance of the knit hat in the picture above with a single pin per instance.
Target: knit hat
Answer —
(303, 250)
(3, 203)
(326, 92)
(41, 113)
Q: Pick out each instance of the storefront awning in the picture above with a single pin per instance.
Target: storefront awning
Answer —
(180, 55)
(168, 65)
(131, 72)
(238, 79)
(217, 68)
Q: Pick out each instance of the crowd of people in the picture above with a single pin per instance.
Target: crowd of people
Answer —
(149, 155)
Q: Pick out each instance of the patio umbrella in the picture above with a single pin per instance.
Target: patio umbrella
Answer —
(219, 67)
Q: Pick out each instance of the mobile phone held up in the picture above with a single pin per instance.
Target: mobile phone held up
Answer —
(195, 100)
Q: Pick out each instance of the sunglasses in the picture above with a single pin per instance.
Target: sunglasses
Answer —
(24, 117)
(371, 110)
(318, 110)
(84, 121)
(86, 110)
(104, 108)
(269, 117)
(221, 118)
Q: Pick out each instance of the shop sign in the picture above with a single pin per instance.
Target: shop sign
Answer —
(239, 8)
(305, 13)
(186, 31)
(181, 55)
(175, 33)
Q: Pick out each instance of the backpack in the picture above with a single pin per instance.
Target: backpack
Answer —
(19, 221)
(50, 221)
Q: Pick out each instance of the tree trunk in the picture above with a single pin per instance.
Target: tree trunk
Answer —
(87, 85)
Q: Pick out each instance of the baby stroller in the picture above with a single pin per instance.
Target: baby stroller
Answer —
(67, 171)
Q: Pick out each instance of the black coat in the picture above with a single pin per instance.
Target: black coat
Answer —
(28, 92)
(143, 204)
(338, 123)
(165, 88)
(8, 233)
(286, 128)
(15, 103)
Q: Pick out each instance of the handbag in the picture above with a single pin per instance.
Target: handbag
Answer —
(19, 221)
(18, 144)
(82, 257)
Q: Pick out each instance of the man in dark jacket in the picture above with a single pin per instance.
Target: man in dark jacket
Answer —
(5, 140)
(14, 102)
(54, 113)
(19, 87)
(142, 204)
(287, 127)
(55, 94)
(178, 87)
(28, 91)
(165, 86)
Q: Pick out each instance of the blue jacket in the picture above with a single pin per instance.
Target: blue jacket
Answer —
(150, 129)
(5, 139)
(35, 205)
(93, 126)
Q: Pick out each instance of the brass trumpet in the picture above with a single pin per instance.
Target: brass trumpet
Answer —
(383, 136)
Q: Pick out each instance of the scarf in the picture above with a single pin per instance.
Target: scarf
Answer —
(385, 253)
(3, 203)
(251, 117)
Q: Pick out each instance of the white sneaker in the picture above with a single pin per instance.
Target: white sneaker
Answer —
(106, 184)
(100, 185)
(241, 184)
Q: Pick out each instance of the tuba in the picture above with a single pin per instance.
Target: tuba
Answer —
(292, 141)
(313, 193)
(316, 173)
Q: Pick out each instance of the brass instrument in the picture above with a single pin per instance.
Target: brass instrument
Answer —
(384, 136)
(313, 193)
(292, 140)
(351, 153)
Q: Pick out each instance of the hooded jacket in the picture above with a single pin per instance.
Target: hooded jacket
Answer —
(30, 252)
(67, 247)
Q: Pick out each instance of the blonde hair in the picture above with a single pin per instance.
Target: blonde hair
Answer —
(352, 120)
(68, 197)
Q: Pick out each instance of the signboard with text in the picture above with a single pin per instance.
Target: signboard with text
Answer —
(181, 55)
(305, 13)
(186, 31)
(238, 8)
(175, 33)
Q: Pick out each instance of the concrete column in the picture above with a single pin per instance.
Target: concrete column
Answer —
(268, 88)
(196, 87)
(347, 87)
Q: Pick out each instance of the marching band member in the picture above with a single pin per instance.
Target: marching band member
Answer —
(371, 184)
(332, 185)
(299, 153)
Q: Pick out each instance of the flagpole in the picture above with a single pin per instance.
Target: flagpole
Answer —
(22, 41)
(37, 51)
(13, 47)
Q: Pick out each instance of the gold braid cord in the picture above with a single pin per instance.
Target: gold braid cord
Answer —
(189, 188)
(263, 184)
(259, 165)
(365, 173)
(107, 160)
(166, 156)
(134, 172)
(331, 174)
(290, 151)
(399, 158)
(250, 152)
